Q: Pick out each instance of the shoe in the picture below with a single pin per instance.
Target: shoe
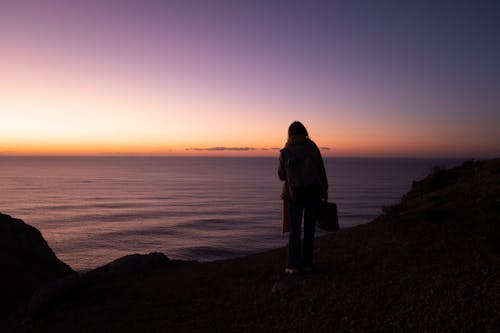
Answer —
(292, 271)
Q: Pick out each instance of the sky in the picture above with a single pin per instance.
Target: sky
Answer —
(367, 78)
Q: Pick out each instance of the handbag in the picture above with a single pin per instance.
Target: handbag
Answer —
(328, 218)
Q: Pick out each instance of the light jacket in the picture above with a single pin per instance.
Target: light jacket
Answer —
(303, 146)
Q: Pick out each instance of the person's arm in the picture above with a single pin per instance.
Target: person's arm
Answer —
(322, 173)
(324, 179)
(281, 167)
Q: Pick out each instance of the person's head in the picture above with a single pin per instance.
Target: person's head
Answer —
(297, 129)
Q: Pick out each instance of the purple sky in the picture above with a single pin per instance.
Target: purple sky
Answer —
(366, 77)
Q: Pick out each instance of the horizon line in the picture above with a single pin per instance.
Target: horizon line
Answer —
(132, 154)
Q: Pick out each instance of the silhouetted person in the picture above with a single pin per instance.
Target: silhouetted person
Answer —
(301, 167)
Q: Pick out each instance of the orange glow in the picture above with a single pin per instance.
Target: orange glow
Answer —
(158, 78)
(49, 112)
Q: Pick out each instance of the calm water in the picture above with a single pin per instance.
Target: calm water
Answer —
(92, 210)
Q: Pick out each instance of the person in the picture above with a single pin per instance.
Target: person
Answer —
(305, 185)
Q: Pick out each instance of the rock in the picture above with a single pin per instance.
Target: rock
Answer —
(134, 264)
(101, 284)
(51, 292)
(27, 263)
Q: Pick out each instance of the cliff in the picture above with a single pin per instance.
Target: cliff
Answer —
(27, 263)
(428, 264)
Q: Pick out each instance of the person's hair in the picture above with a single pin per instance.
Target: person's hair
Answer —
(296, 128)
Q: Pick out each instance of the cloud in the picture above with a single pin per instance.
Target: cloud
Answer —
(239, 148)
(270, 148)
(223, 149)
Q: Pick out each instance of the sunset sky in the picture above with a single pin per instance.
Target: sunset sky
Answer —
(367, 78)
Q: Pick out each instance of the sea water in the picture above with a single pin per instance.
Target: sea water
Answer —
(92, 210)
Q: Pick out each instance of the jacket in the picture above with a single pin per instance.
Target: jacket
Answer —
(302, 146)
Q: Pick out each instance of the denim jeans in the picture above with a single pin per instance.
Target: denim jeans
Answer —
(309, 209)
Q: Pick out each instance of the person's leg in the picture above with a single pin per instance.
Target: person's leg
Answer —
(294, 247)
(311, 211)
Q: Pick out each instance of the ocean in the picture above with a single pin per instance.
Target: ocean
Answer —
(92, 210)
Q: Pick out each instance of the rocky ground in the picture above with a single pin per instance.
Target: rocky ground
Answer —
(429, 264)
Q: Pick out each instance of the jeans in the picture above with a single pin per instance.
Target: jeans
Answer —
(310, 210)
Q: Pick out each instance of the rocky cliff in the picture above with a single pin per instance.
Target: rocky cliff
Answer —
(27, 263)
